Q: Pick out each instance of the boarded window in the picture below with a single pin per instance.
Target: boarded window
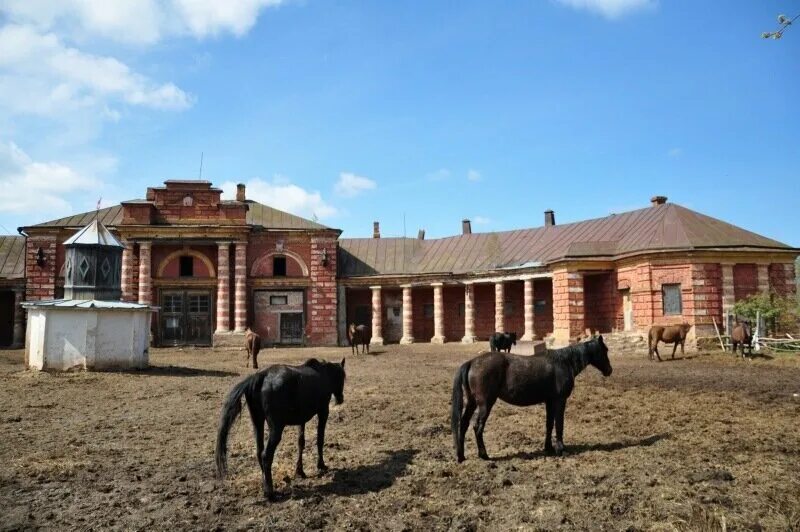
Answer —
(278, 300)
(671, 297)
(461, 307)
(187, 266)
(427, 310)
(279, 266)
(508, 308)
(539, 306)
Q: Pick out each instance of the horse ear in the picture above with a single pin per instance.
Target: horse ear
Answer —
(600, 338)
(342, 363)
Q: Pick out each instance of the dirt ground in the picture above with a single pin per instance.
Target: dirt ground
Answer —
(688, 444)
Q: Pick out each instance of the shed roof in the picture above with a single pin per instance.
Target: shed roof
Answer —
(94, 234)
(660, 227)
(12, 257)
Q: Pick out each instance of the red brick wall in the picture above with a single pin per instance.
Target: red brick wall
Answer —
(745, 281)
(484, 310)
(600, 301)
(160, 252)
(453, 320)
(322, 299)
(543, 320)
(707, 295)
(40, 281)
(422, 327)
(261, 245)
(514, 293)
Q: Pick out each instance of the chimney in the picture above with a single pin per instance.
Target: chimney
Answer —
(376, 230)
(421, 234)
(549, 218)
(655, 201)
(240, 192)
(466, 227)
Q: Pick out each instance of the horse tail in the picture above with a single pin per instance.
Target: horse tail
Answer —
(230, 412)
(460, 382)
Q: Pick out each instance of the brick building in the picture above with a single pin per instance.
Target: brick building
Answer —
(215, 266)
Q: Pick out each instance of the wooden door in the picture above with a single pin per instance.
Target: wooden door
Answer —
(291, 328)
(185, 317)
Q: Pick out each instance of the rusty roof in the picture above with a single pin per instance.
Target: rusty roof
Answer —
(258, 214)
(661, 227)
(12, 257)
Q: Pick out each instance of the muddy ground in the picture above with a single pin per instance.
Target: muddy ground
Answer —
(681, 445)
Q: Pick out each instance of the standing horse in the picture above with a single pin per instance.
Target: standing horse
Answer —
(359, 335)
(282, 395)
(521, 381)
(741, 336)
(252, 344)
(502, 341)
(674, 334)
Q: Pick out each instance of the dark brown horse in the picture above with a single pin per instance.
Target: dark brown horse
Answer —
(673, 334)
(282, 395)
(741, 336)
(359, 335)
(252, 344)
(521, 381)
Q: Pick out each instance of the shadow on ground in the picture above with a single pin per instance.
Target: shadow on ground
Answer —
(580, 449)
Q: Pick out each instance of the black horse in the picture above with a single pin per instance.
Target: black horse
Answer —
(359, 335)
(521, 381)
(502, 341)
(282, 395)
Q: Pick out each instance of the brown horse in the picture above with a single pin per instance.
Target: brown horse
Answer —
(741, 336)
(673, 334)
(521, 381)
(359, 335)
(252, 344)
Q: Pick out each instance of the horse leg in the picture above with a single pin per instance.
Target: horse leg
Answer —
(675, 348)
(466, 417)
(655, 349)
(275, 433)
(255, 358)
(247, 358)
(483, 414)
(258, 431)
(322, 420)
(550, 408)
(561, 406)
(301, 443)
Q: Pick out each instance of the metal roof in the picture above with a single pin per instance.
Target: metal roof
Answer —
(661, 227)
(258, 214)
(94, 234)
(12, 257)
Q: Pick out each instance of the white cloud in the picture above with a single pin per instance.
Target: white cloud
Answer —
(40, 75)
(138, 21)
(31, 186)
(351, 185)
(610, 9)
(284, 195)
(473, 175)
(482, 220)
(439, 175)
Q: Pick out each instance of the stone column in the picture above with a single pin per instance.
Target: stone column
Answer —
(499, 307)
(145, 282)
(223, 287)
(469, 314)
(18, 339)
(568, 317)
(408, 316)
(240, 293)
(530, 333)
(438, 314)
(377, 316)
(763, 278)
(126, 281)
(728, 297)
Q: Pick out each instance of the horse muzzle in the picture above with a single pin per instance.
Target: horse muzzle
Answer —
(338, 399)
(607, 371)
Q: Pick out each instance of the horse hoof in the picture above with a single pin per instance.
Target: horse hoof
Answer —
(271, 497)
(460, 459)
(484, 456)
(300, 474)
(322, 469)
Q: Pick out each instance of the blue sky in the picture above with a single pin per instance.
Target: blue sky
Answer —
(424, 111)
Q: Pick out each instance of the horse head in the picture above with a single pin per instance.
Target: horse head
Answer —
(598, 356)
(336, 376)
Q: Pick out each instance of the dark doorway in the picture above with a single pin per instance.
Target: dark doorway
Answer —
(6, 318)
(291, 328)
(185, 317)
(279, 266)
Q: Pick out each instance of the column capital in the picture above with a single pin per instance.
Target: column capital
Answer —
(224, 243)
(375, 287)
(437, 284)
(404, 286)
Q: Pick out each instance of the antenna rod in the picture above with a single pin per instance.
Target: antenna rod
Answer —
(200, 176)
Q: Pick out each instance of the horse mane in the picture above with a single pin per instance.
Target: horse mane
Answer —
(576, 356)
(314, 363)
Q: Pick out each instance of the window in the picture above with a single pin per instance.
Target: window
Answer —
(427, 310)
(539, 306)
(187, 266)
(279, 266)
(671, 299)
(508, 308)
(461, 307)
(278, 300)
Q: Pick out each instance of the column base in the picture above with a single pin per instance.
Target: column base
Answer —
(376, 340)
(407, 340)
(240, 329)
(528, 337)
(437, 340)
(469, 339)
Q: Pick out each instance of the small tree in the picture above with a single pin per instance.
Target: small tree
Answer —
(779, 313)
